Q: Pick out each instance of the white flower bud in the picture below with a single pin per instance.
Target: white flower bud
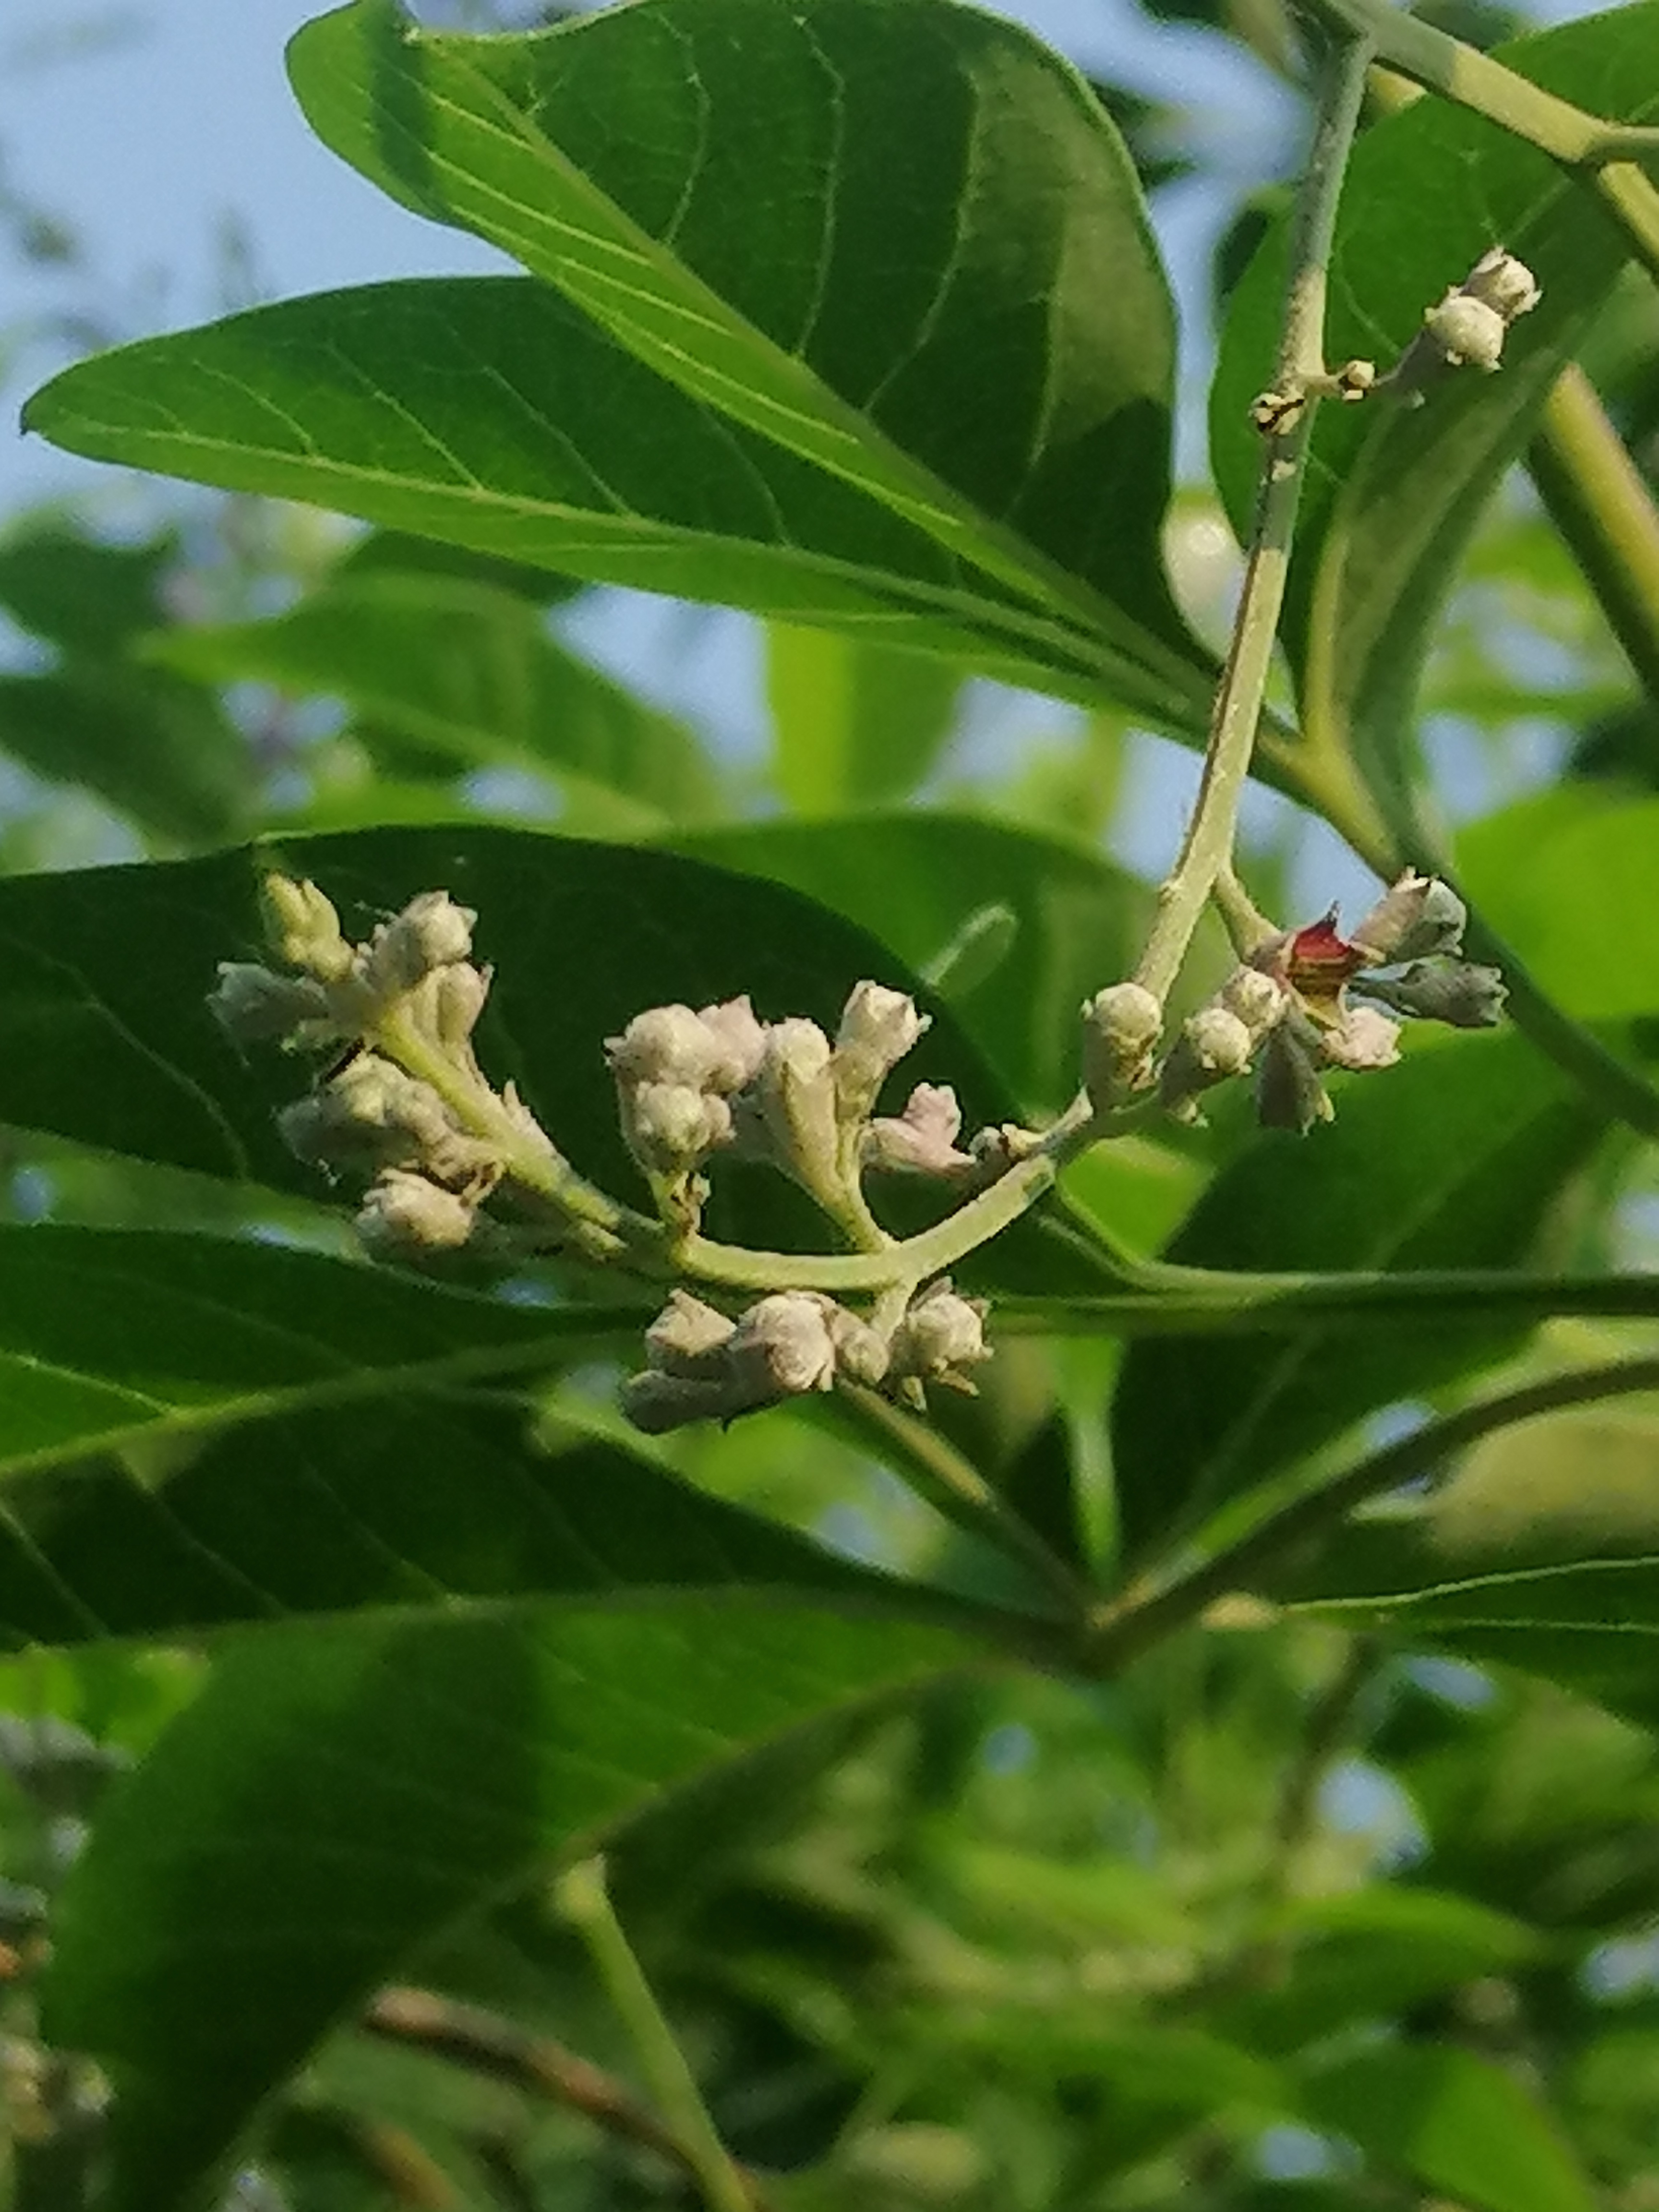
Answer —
(405, 1214)
(1467, 331)
(740, 1042)
(1502, 283)
(1259, 1000)
(430, 933)
(940, 1334)
(1364, 1039)
(922, 1140)
(1219, 1043)
(1417, 918)
(781, 1347)
(304, 929)
(254, 1006)
(1120, 1025)
(878, 1028)
(795, 1095)
(688, 1337)
(666, 1044)
(861, 1355)
(456, 993)
(669, 1127)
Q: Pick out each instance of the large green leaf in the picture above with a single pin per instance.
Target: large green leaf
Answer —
(470, 672)
(1542, 1550)
(338, 1795)
(901, 239)
(1394, 493)
(83, 595)
(1449, 1160)
(489, 411)
(1568, 878)
(1458, 2122)
(1055, 921)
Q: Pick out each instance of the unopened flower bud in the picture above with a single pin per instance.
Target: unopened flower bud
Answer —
(1120, 1025)
(1461, 993)
(1467, 331)
(781, 1347)
(669, 1126)
(795, 1095)
(254, 1006)
(656, 1401)
(304, 929)
(1417, 918)
(1258, 1000)
(878, 1028)
(1214, 1044)
(455, 995)
(739, 1042)
(922, 1140)
(861, 1354)
(940, 1335)
(688, 1338)
(405, 1214)
(1362, 1040)
(430, 933)
(666, 1044)
(1502, 283)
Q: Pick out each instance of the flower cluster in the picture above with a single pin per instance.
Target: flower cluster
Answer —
(1468, 327)
(1298, 1008)
(692, 1083)
(704, 1366)
(408, 1104)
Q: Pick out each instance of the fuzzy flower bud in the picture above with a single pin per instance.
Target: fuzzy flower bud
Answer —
(1466, 331)
(430, 933)
(669, 1126)
(1459, 992)
(1214, 1044)
(405, 1215)
(794, 1095)
(1120, 1025)
(666, 1044)
(454, 994)
(1502, 283)
(1362, 1040)
(1258, 1000)
(739, 1042)
(939, 1336)
(922, 1140)
(1417, 918)
(781, 1347)
(878, 1028)
(303, 926)
(252, 1005)
(688, 1338)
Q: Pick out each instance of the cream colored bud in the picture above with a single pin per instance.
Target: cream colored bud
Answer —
(922, 1140)
(431, 931)
(254, 1006)
(795, 1095)
(1467, 331)
(1120, 1026)
(669, 1127)
(405, 1214)
(879, 1026)
(1258, 1000)
(781, 1347)
(940, 1334)
(666, 1044)
(655, 1402)
(1362, 1040)
(457, 993)
(688, 1338)
(1219, 1043)
(1502, 283)
(303, 926)
(861, 1354)
(739, 1042)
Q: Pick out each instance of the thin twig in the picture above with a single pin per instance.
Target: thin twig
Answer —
(486, 2042)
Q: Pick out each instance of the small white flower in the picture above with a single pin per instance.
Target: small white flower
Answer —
(666, 1044)
(405, 1214)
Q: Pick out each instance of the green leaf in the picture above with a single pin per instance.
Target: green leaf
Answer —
(1394, 493)
(84, 596)
(1542, 1550)
(715, 182)
(1449, 1160)
(337, 1797)
(1568, 878)
(467, 670)
(1063, 918)
(490, 412)
(154, 747)
(1457, 2123)
(854, 723)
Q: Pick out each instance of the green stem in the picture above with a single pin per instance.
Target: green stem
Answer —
(1208, 845)
(582, 1898)
(1596, 495)
(963, 1494)
(1122, 1632)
